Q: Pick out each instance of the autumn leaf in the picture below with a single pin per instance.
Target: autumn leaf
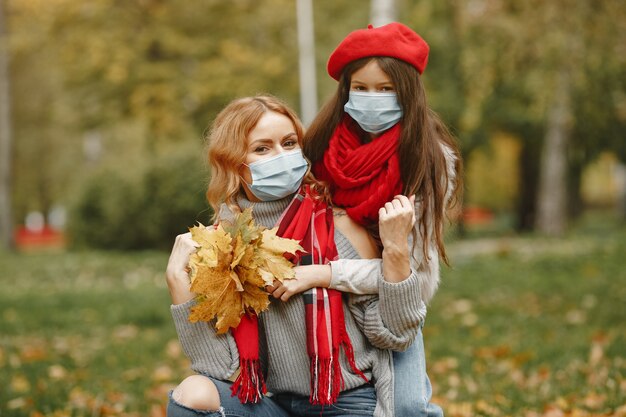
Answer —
(233, 264)
(279, 245)
(215, 245)
(255, 298)
(251, 276)
(243, 226)
(278, 268)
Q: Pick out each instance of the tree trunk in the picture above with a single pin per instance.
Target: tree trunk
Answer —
(306, 48)
(552, 198)
(382, 12)
(6, 221)
(528, 180)
(574, 197)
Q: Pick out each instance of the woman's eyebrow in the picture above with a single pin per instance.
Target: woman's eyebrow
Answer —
(260, 141)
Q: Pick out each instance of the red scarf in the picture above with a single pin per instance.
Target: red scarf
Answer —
(362, 176)
(309, 221)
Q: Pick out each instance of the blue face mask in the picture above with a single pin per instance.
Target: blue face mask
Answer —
(277, 177)
(374, 112)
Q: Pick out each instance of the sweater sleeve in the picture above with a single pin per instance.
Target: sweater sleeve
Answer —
(392, 319)
(210, 353)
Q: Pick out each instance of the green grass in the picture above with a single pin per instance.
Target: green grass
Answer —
(533, 327)
(537, 326)
(85, 334)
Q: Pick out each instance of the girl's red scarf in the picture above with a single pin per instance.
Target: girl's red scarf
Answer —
(310, 221)
(362, 176)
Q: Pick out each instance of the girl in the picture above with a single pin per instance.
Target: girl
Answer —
(375, 142)
(256, 160)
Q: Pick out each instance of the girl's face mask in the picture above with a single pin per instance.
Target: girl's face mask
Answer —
(277, 177)
(374, 112)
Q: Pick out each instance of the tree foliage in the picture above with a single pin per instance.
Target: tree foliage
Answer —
(144, 76)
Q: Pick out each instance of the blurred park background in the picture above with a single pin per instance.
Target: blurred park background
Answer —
(103, 106)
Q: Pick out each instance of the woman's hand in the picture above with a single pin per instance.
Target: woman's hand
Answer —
(396, 220)
(307, 277)
(177, 272)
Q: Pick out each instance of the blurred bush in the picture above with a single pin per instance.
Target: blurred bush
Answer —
(143, 211)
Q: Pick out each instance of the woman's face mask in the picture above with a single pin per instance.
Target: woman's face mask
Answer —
(374, 112)
(274, 159)
(278, 176)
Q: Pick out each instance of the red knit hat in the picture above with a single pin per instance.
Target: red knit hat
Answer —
(393, 40)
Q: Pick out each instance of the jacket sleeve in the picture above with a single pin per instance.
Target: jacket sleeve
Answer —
(210, 353)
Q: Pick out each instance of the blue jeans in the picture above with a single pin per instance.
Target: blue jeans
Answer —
(357, 402)
(412, 389)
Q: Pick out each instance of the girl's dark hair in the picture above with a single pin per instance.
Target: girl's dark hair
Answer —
(423, 140)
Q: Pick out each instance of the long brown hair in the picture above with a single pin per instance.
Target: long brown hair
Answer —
(227, 146)
(423, 141)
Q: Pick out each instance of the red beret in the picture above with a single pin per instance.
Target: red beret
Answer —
(393, 40)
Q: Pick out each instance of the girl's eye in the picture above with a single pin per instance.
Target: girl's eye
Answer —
(289, 144)
(260, 149)
(357, 88)
(387, 88)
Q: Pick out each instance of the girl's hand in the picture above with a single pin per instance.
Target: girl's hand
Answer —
(177, 272)
(307, 277)
(396, 220)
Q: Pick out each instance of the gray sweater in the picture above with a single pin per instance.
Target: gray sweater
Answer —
(376, 325)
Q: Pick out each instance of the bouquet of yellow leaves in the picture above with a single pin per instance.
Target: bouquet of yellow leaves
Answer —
(233, 264)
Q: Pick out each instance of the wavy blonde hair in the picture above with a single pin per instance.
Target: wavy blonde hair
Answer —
(227, 146)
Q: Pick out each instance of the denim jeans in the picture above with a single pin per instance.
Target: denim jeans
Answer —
(357, 402)
(412, 389)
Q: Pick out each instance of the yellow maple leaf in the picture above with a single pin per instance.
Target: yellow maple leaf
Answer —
(250, 276)
(255, 298)
(227, 307)
(211, 241)
(233, 264)
(209, 281)
(279, 245)
(277, 265)
(267, 276)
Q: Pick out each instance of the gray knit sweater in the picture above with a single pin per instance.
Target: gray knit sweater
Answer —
(376, 325)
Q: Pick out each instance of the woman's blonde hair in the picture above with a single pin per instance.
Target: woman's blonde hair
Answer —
(227, 146)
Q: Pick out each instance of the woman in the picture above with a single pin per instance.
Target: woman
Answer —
(375, 142)
(256, 160)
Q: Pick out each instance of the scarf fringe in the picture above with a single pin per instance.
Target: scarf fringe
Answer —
(250, 382)
(326, 381)
(347, 348)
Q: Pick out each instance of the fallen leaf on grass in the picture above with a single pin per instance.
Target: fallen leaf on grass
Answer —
(159, 392)
(20, 384)
(16, 403)
(125, 332)
(460, 410)
(594, 400)
(173, 349)
(157, 411)
(552, 411)
(162, 373)
(57, 372)
(33, 353)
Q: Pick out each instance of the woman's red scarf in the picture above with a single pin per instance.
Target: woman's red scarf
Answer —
(362, 176)
(310, 221)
